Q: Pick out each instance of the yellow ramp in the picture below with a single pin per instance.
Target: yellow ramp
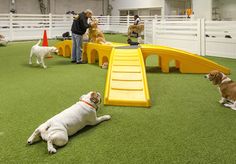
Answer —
(185, 61)
(126, 82)
(64, 48)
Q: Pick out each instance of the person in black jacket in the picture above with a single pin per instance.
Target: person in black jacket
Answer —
(78, 28)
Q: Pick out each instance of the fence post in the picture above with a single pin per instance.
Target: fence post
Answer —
(153, 31)
(127, 21)
(155, 17)
(145, 32)
(199, 36)
(108, 22)
(50, 25)
(11, 27)
(203, 38)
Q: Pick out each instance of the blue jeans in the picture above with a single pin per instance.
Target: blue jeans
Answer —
(77, 41)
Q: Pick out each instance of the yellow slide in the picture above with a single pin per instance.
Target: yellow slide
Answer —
(186, 62)
(126, 82)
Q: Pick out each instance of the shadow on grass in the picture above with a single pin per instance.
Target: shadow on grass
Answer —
(34, 65)
(84, 130)
(63, 62)
(158, 70)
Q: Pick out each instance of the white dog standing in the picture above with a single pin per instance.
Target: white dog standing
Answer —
(57, 129)
(40, 53)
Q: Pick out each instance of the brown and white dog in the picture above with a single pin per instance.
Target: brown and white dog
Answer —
(57, 129)
(226, 86)
(137, 29)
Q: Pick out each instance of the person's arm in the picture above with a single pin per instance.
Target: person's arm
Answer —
(85, 22)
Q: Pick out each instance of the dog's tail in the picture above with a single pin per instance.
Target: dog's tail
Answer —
(38, 42)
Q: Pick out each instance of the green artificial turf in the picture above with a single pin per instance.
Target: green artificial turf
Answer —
(185, 123)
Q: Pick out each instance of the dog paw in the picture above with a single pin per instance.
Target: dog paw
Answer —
(107, 117)
(221, 101)
(52, 150)
(44, 67)
(228, 105)
(234, 108)
(30, 142)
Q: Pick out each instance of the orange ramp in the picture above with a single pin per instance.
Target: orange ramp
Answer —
(126, 82)
(186, 62)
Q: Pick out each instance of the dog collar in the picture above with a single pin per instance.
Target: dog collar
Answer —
(89, 104)
(225, 79)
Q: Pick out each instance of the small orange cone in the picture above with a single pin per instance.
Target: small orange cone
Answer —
(45, 42)
(45, 38)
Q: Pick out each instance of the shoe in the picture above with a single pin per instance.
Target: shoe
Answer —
(80, 62)
(73, 61)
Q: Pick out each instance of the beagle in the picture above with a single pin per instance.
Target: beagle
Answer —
(226, 86)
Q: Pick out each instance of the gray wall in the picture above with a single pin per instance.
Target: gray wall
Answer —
(61, 6)
(4, 6)
(56, 6)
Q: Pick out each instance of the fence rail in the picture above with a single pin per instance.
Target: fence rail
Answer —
(31, 26)
(212, 38)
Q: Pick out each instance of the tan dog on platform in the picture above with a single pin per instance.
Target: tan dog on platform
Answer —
(95, 34)
(137, 29)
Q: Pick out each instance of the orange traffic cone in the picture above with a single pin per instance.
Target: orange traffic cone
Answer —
(45, 38)
(45, 42)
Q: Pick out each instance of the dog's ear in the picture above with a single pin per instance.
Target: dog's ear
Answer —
(94, 97)
(218, 78)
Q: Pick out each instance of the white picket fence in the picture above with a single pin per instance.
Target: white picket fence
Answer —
(200, 37)
(212, 38)
(27, 27)
(31, 26)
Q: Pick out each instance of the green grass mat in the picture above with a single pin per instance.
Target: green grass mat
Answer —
(185, 124)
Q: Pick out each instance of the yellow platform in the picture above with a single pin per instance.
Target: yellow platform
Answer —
(186, 62)
(65, 49)
(101, 52)
(126, 82)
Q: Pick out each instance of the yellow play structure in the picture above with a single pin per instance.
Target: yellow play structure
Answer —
(126, 82)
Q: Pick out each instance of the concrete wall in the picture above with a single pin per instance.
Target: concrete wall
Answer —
(4, 6)
(202, 9)
(27, 6)
(228, 9)
(62, 6)
(118, 5)
(173, 7)
(56, 6)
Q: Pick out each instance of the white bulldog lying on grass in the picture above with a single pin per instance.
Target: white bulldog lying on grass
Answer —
(40, 53)
(57, 129)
